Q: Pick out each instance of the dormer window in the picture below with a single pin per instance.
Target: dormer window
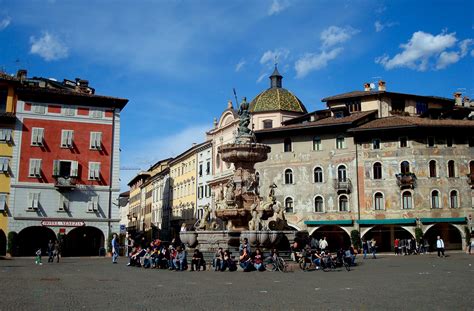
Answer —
(398, 105)
(353, 106)
(267, 124)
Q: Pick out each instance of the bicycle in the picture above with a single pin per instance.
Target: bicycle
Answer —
(331, 264)
(276, 264)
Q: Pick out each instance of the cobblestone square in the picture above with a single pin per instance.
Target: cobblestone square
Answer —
(389, 282)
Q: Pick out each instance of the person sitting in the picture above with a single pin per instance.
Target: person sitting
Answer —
(134, 259)
(316, 258)
(172, 257)
(228, 262)
(180, 261)
(245, 260)
(258, 260)
(197, 261)
(147, 259)
(218, 259)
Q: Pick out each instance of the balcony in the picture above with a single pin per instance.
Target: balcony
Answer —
(406, 180)
(64, 183)
(343, 185)
(470, 179)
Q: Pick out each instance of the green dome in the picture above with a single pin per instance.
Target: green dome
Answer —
(276, 98)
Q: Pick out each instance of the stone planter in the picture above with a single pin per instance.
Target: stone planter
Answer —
(189, 238)
(263, 238)
(273, 237)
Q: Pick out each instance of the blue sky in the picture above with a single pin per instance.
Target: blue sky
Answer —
(177, 61)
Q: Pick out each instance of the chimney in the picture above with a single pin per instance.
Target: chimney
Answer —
(367, 87)
(21, 75)
(457, 99)
(382, 86)
(466, 101)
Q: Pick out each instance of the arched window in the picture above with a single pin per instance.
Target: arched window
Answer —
(343, 203)
(267, 124)
(435, 199)
(289, 205)
(378, 201)
(317, 144)
(453, 199)
(341, 173)
(432, 168)
(318, 204)
(288, 176)
(378, 170)
(451, 169)
(405, 167)
(318, 174)
(406, 200)
(287, 145)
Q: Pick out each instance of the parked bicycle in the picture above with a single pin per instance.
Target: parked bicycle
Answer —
(275, 263)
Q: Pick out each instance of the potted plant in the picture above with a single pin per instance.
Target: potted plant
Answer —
(355, 239)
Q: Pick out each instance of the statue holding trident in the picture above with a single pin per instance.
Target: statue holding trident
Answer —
(244, 133)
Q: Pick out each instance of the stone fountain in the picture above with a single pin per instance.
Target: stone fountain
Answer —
(240, 211)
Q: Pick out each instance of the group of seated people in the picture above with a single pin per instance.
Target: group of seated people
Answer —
(320, 258)
(248, 261)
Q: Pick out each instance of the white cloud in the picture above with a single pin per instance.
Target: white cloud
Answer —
(336, 35)
(464, 46)
(5, 22)
(239, 65)
(472, 53)
(269, 57)
(147, 152)
(310, 61)
(277, 6)
(379, 26)
(263, 75)
(48, 47)
(447, 58)
(420, 48)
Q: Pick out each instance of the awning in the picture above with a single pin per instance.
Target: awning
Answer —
(394, 221)
(328, 222)
(456, 220)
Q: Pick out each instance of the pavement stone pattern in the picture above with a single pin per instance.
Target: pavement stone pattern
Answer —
(423, 282)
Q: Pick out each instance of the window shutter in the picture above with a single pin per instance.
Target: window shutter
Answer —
(32, 167)
(97, 174)
(56, 164)
(3, 201)
(74, 168)
(8, 136)
(30, 200)
(70, 138)
(98, 143)
(38, 167)
(36, 200)
(40, 136)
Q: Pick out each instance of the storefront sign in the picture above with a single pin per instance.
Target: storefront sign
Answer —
(57, 223)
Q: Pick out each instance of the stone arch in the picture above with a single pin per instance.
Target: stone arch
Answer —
(337, 236)
(3, 243)
(385, 235)
(30, 239)
(83, 241)
(451, 234)
(295, 227)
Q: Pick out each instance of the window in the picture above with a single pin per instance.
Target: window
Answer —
(470, 141)
(376, 144)
(339, 114)
(37, 136)
(421, 107)
(65, 168)
(4, 165)
(449, 141)
(35, 168)
(38, 108)
(435, 199)
(208, 168)
(378, 201)
(451, 169)
(200, 170)
(218, 161)
(33, 200)
(353, 106)
(403, 142)
(289, 205)
(406, 200)
(343, 204)
(405, 167)
(453, 199)
(318, 174)
(318, 204)
(377, 170)
(3, 99)
(3, 201)
(200, 192)
(96, 141)
(63, 203)
(267, 124)
(317, 144)
(341, 173)
(93, 204)
(96, 113)
(433, 168)
(94, 170)
(67, 138)
(288, 176)
(69, 111)
(6, 135)
(431, 141)
(287, 145)
(398, 105)
(340, 142)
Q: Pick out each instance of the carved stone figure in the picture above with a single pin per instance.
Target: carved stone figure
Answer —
(203, 223)
(243, 131)
(230, 191)
(271, 193)
(254, 223)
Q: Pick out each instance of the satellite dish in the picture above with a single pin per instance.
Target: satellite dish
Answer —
(372, 86)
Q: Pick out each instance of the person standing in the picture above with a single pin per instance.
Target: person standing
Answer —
(395, 246)
(323, 244)
(440, 246)
(365, 247)
(50, 251)
(373, 246)
(57, 250)
(115, 248)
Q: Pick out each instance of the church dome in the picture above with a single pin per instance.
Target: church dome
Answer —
(276, 98)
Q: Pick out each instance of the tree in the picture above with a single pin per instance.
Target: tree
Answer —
(355, 239)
